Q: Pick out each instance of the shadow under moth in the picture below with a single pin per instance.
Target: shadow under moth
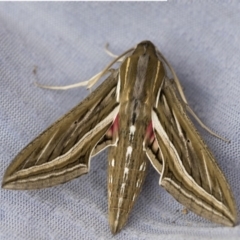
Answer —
(141, 114)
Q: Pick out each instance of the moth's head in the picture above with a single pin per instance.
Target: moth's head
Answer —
(145, 47)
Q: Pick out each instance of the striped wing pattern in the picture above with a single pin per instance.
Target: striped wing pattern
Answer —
(62, 152)
(187, 167)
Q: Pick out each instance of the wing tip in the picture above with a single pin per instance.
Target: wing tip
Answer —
(8, 185)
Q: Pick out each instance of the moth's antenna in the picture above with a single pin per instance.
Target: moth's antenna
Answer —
(182, 95)
(89, 83)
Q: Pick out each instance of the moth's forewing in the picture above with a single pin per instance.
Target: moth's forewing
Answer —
(190, 173)
(62, 152)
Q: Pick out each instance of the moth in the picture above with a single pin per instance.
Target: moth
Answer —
(140, 112)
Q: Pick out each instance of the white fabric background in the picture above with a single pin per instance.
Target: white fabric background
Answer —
(66, 43)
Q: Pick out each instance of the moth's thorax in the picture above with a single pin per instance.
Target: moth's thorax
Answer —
(141, 75)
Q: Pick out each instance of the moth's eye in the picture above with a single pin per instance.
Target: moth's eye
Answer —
(75, 122)
(188, 141)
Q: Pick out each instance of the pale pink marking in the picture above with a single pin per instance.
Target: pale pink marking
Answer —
(149, 133)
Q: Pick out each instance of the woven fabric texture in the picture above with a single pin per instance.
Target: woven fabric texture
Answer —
(63, 43)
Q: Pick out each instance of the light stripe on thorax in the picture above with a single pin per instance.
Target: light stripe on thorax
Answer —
(138, 89)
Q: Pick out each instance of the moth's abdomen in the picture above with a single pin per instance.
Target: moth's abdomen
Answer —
(125, 179)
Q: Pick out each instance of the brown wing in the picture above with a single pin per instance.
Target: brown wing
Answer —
(62, 152)
(187, 167)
